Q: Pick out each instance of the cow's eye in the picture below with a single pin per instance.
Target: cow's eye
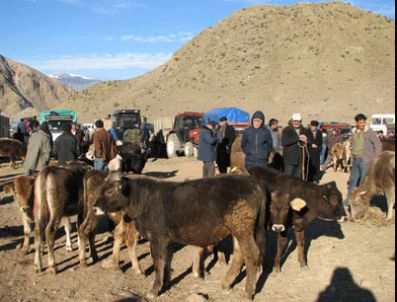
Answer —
(109, 192)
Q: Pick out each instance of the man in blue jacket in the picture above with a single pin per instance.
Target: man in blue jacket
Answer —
(257, 142)
(207, 148)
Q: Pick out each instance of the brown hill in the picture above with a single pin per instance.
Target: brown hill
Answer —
(24, 90)
(327, 61)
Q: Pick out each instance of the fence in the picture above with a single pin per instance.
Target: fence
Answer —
(4, 126)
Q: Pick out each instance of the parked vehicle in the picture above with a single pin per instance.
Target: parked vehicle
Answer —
(128, 125)
(184, 137)
(381, 121)
(56, 120)
(237, 118)
(343, 129)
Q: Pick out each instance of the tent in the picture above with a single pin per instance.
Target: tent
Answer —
(235, 116)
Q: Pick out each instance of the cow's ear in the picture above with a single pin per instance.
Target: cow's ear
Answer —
(298, 204)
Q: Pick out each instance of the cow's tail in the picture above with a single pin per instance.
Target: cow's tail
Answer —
(41, 212)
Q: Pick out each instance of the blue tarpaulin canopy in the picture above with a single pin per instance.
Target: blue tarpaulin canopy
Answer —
(233, 115)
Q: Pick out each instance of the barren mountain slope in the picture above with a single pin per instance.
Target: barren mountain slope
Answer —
(327, 60)
(23, 89)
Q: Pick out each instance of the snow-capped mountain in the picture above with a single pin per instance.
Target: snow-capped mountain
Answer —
(75, 81)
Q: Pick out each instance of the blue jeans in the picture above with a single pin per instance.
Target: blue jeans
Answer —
(323, 154)
(100, 165)
(359, 171)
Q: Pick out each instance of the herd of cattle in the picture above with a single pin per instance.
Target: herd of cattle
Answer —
(201, 213)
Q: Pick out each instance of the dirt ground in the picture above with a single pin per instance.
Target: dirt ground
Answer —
(348, 262)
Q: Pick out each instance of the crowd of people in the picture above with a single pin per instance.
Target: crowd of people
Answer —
(302, 150)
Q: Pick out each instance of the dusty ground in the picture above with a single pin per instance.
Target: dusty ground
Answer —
(349, 262)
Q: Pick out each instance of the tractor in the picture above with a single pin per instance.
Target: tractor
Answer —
(184, 138)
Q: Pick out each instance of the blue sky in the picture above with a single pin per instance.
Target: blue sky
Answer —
(115, 39)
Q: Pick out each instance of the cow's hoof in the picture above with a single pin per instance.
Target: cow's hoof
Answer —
(151, 296)
(83, 264)
(277, 269)
(137, 272)
(69, 249)
(197, 275)
(52, 270)
(37, 269)
(226, 286)
(250, 296)
(304, 267)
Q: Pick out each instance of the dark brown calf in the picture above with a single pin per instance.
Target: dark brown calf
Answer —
(198, 213)
(301, 204)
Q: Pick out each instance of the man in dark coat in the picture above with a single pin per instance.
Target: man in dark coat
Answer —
(226, 137)
(66, 147)
(207, 148)
(316, 138)
(257, 142)
(295, 141)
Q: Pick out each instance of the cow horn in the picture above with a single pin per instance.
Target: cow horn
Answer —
(363, 193)
(298, 204)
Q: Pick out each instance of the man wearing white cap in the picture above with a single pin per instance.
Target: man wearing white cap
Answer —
(294, 140)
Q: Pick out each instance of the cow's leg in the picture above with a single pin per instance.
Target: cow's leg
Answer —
(251, 254)
(198, 271)
(260, 239)
(300, 239)
(391, 199)
(132, 242)
(118, 240)
(159, 248)
(91, 241)
(26, 233)
(50, 238)
(235, 266)
(68, 230)
(168, 268)
(37, 243)
(282, 241)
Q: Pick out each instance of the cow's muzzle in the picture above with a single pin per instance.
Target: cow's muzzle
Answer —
(98, 211)
(279, 228)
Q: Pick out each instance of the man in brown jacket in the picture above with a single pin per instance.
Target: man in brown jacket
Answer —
(105, 148)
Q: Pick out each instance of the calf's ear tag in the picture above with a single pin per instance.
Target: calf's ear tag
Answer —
(298, 204)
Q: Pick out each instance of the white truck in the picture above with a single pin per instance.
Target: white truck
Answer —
(381, 121)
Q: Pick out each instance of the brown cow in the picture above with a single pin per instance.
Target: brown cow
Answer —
(125, 231)
(339, 157)
(23, 190)
(12, 149)
(58, 193)
(380, 180)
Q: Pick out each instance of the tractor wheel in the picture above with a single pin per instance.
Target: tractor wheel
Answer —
(188, 149)
(173, 145)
